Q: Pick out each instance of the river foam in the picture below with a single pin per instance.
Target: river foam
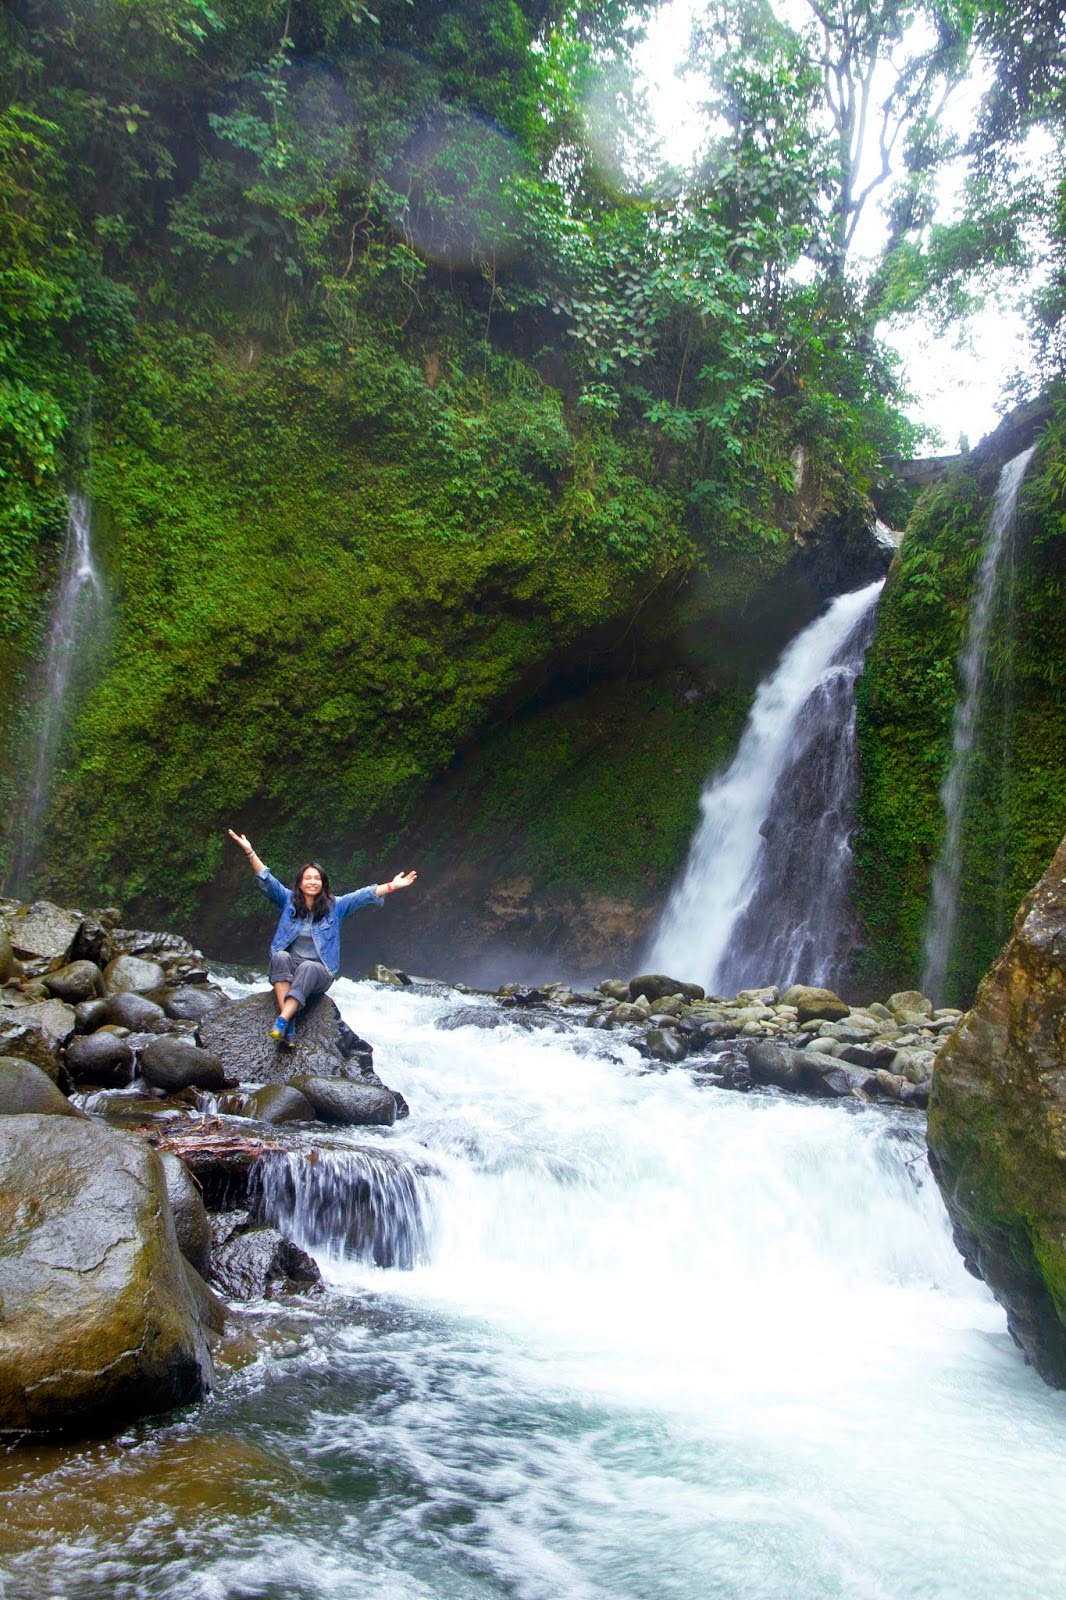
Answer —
(663, 1343)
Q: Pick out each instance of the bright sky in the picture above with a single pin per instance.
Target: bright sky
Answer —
(956, 380)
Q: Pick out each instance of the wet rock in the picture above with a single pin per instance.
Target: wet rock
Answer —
(664, 1044)
(80, 980)
(656, 985)
(43, 929)
(256, 1263)
(30, 1043)
(90, 1015)
(137, 1013)
(100, 1325)
(191, 1002)
(131, 975)
(348, 1104)
(278, 1103)
(190, 1218)
(27, 1091)
(390, 975)
(776, 1065)
(92, 942)
(471, 1017)
(51, 1017)
(997, 1127)
(614, 989)
(100, 1058)
(758, 997)
(624, 1013)
(239, 1035)
(870, 1056)
(813, 1004)
(176, 1064)
(152, 943)
(9, 966)
(910, 1005)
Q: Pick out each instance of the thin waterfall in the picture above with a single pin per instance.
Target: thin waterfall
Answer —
(361, 1205)
(78, 609)
(944, 903)
(765, 896)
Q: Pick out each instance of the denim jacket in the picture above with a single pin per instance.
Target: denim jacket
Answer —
(326, 932)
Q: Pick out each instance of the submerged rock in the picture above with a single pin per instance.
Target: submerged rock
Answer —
(100, 1324)
(997, 1127)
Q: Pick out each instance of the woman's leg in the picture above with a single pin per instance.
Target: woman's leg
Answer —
(282, 969)
(310, 978)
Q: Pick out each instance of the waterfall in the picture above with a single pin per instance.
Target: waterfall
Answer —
(78, 609)
(765, 894)
(944, 902)
(355, 1204)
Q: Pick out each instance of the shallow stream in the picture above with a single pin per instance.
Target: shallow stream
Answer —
(663, 1342)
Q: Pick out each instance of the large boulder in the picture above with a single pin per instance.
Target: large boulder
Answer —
(997, 1127)
(43, 930)
(190, 1217)
(100, 1324)
(325, 1047)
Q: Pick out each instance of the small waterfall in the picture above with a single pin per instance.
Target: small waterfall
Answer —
(77, 610)
(765, 895)
(944, 903)
(361, 1205)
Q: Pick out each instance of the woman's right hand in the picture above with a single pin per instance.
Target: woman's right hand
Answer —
(241, 839)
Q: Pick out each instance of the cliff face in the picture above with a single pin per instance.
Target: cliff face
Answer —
(997, 1127)
(1016, 809)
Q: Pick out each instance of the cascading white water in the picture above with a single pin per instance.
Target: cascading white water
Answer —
(944, 900)
(662, 1343)
(77, 609)
(765, 893)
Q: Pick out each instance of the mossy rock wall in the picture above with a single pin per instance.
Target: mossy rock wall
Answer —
(1016, 797)
(337, 580)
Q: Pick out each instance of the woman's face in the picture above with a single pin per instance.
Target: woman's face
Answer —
(311, 883)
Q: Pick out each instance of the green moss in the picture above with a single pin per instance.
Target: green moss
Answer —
(326, 573)
(598, 793)
(1016, 799)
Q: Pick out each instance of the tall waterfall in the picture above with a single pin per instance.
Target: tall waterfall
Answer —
(765, 894)
(944, 902)
(78, 608)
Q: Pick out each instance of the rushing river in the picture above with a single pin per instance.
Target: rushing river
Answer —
(665, 1343)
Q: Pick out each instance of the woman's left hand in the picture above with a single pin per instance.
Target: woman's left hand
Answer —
(403, 880)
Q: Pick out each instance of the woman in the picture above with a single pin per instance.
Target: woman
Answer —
(305, 953)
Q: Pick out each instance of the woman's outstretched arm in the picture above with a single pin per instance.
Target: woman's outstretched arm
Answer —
(402, 880)
(246, 845)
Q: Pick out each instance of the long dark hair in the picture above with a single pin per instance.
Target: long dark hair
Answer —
(323, 901)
